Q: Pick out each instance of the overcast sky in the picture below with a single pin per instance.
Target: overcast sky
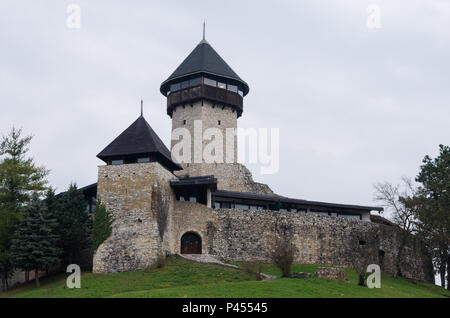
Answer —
(354, 105)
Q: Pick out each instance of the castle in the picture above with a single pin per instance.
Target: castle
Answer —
(161, 206)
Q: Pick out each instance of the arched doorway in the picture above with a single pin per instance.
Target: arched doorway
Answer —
(191, 243)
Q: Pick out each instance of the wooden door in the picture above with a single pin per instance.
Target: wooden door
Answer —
(191, 244)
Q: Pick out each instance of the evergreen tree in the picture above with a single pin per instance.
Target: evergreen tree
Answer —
(52, 212)
(102, 225)
(34, 246)
(19, 178)
(74, 224)
(433, 210)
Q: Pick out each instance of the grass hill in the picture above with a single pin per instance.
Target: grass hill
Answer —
(181, 278)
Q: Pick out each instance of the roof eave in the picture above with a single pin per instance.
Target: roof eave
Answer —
(165, 85)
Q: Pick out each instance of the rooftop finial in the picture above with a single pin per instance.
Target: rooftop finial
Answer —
(142, 107)
(204, 30)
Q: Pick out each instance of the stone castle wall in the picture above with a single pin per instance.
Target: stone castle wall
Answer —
(231, 176)
(127, 191)
(209, 114)
(237, 235)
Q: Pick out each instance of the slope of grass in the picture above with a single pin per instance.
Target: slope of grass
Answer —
(180, 278)
(176, 273)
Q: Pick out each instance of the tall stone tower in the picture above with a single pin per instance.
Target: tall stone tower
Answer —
(204, 95)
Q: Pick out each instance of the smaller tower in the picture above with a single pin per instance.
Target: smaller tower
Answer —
(138, 144)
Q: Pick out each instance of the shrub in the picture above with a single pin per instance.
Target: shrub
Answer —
(102, 225)
(283, 249)
(283, 256)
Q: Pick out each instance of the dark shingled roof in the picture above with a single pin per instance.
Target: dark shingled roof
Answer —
(137, 139)
(276, 198)
(203, 59)
(195, 181)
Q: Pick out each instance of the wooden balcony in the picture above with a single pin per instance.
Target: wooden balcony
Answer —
(204, 92)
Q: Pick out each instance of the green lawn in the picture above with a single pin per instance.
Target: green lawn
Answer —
(180, 278)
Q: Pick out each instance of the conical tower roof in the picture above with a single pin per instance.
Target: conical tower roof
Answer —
(139, 139)
(203, 60)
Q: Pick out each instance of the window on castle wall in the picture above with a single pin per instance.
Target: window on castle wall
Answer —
(223, 205)
(182, 198)
(143, 160)
(350, 216)
(117, 162)
(219, 122)
(192, 199)
(184, 122)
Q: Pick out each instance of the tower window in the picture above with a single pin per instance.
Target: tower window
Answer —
(184, 122)
(117, 162)
(185, 84)
(175, 87)
(241, 93)
(232, 88)
(195, 82)
(222, 85)
(219, 122)
(210, 82)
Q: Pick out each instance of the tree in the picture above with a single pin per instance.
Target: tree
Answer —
(34, 246)
(51, 203)
(74, 224)
(19, 179)
(283, 248)
(102, 225)
(433, 210)
(399, 201)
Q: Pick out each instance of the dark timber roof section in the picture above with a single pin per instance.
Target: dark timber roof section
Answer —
(203, 60)
(139, 139)
(276, 198)
(192, 181)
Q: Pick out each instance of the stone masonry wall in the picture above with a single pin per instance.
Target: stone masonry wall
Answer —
(126, 191)
(237, 235)
(231, 176)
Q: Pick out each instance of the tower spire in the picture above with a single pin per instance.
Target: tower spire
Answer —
(204, 30)
(142, 107)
